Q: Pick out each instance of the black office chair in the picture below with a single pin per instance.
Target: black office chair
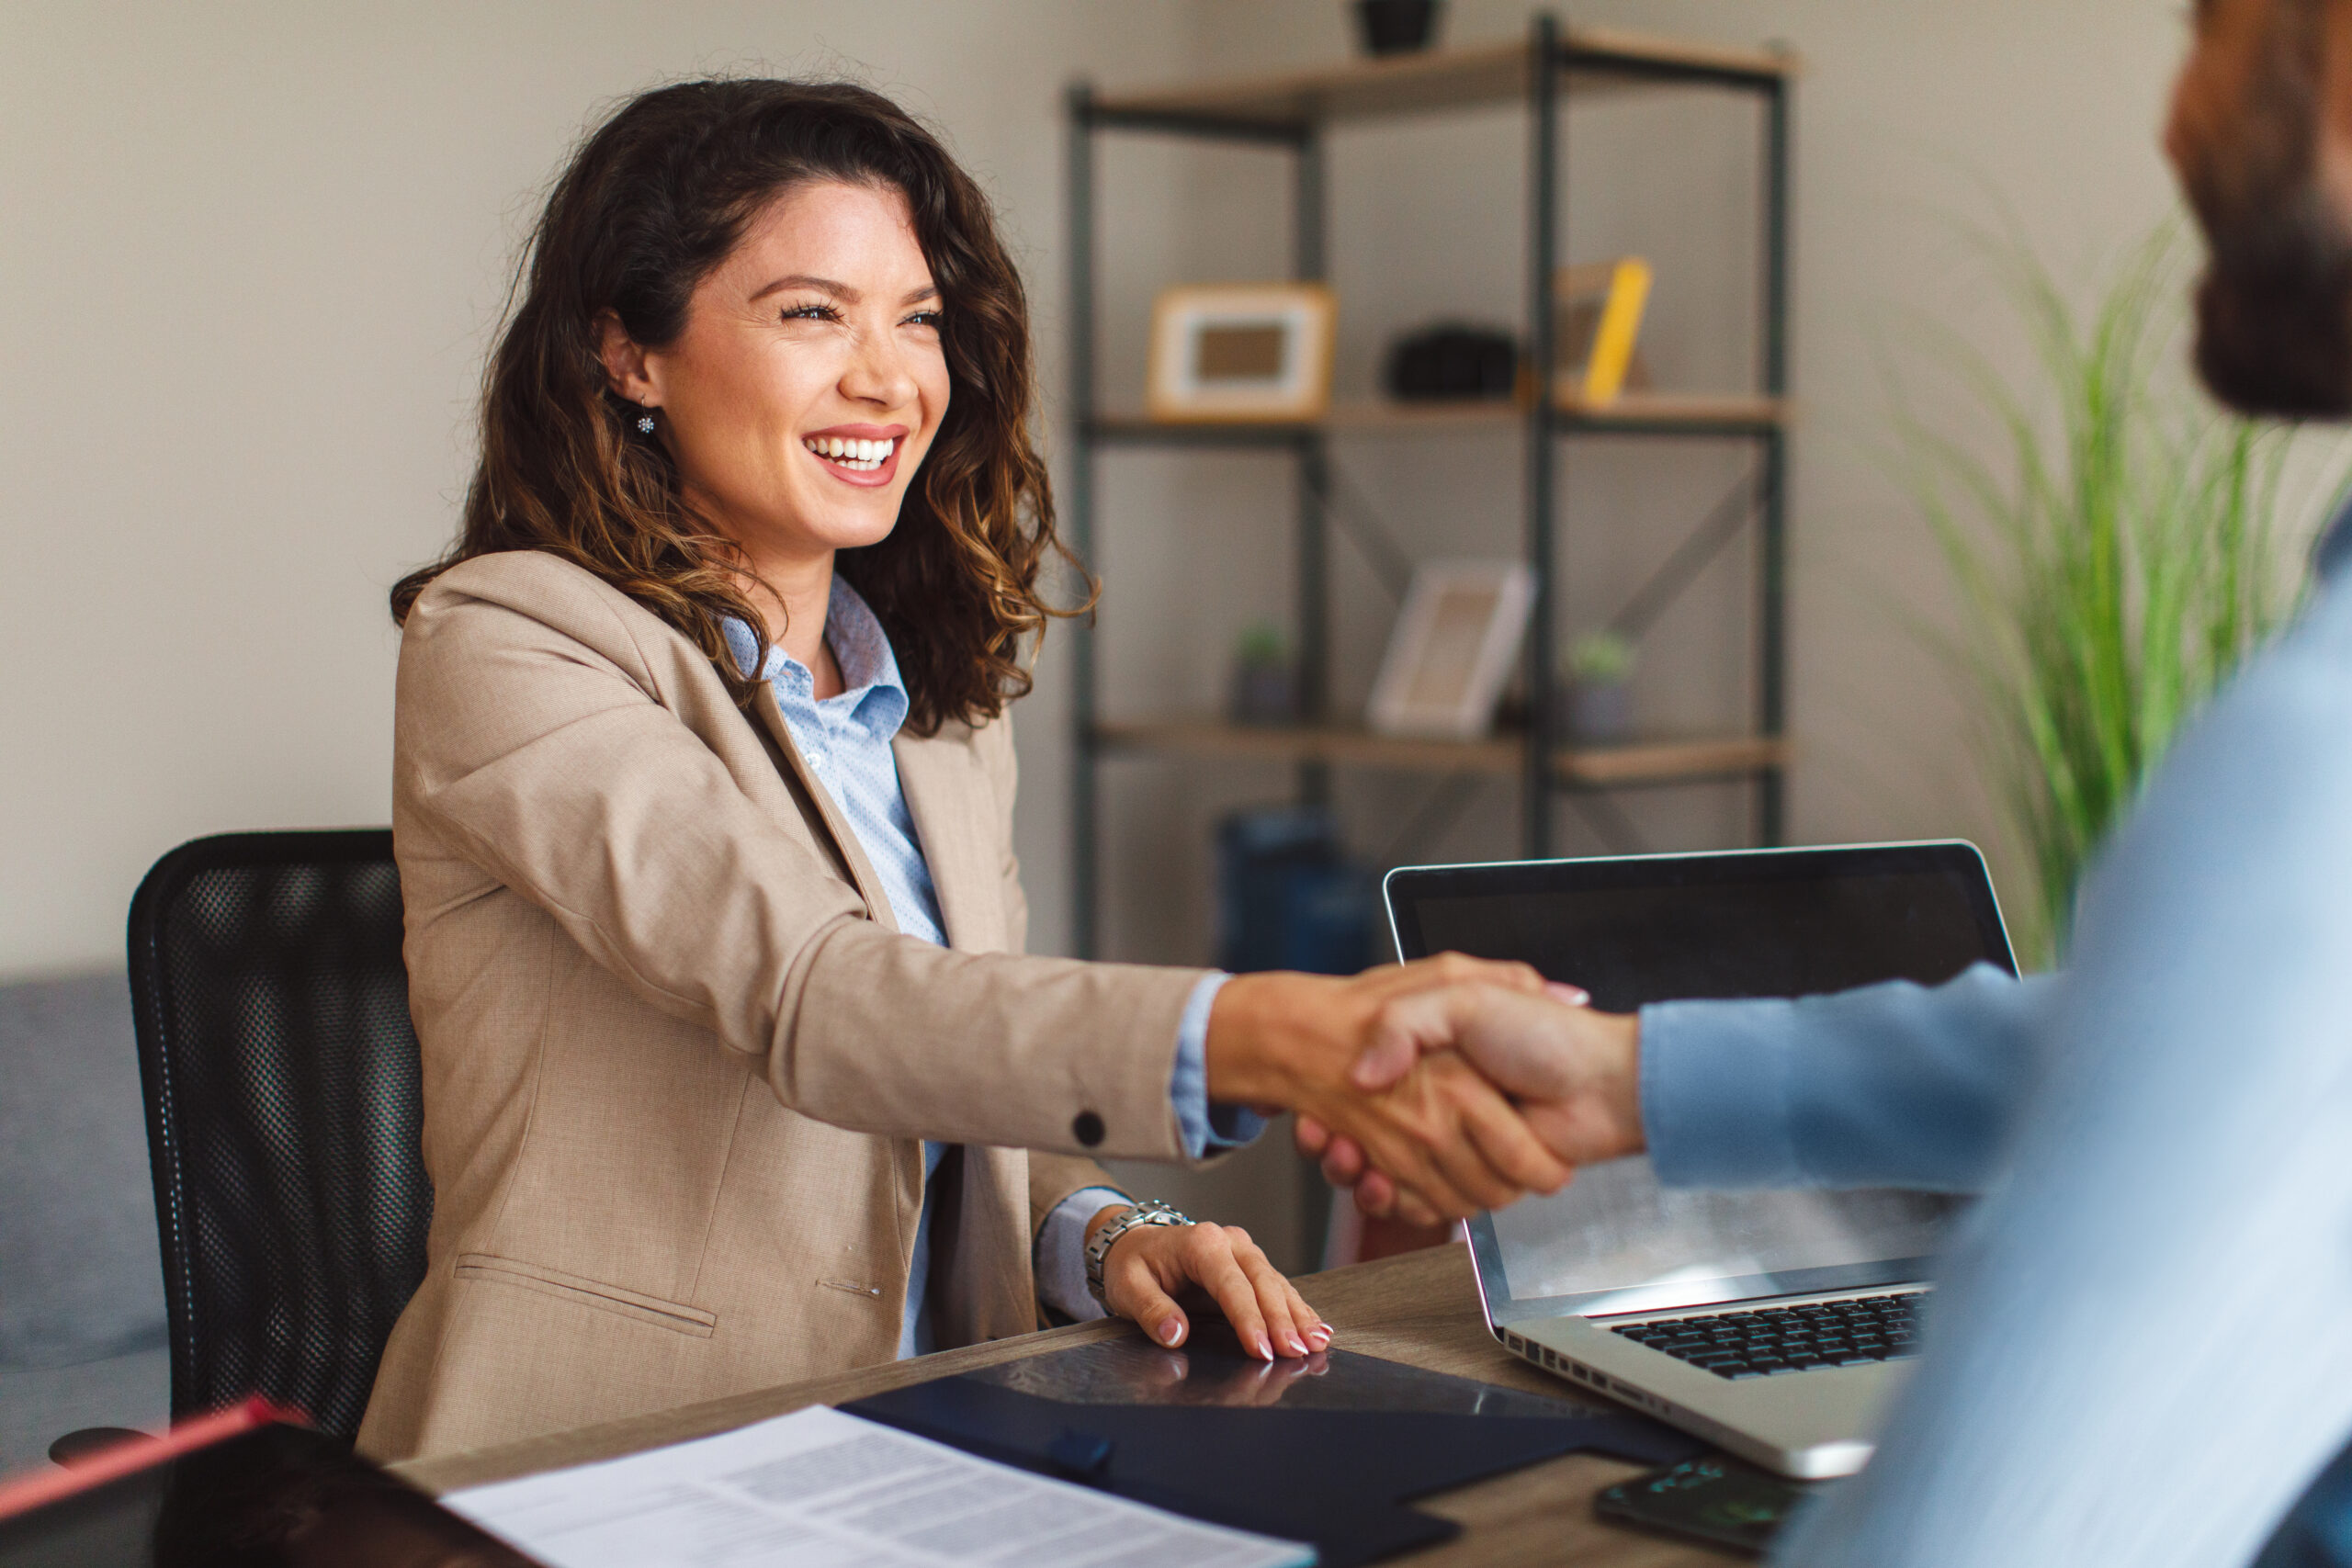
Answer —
(283, 1114)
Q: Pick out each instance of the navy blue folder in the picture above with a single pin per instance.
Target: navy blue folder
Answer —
(1330, 1451)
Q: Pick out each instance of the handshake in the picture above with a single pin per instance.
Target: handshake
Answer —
(1435, 1088)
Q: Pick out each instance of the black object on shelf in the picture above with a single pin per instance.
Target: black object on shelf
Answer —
(1397, 27)
(1287, 895)
(1328, 1448)
(1452, 361)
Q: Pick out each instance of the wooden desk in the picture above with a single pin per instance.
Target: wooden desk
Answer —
(1421, 1309)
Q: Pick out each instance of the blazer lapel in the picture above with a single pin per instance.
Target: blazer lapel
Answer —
(948, 799)
(861, 870)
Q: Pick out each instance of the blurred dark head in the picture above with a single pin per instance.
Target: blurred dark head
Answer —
(2261, 136)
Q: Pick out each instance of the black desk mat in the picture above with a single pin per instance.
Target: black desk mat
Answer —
(1330, 1450)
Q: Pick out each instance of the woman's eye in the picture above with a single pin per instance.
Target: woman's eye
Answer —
(924, 319)
(812, 313)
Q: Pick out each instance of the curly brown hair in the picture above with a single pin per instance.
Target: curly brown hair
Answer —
(657, 196)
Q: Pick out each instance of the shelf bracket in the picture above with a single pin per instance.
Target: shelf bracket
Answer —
(1674, 574)
(1613, 827)
(1542, 260)
(1445, 805)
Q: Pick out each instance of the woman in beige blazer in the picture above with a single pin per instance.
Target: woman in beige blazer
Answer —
(703, 804)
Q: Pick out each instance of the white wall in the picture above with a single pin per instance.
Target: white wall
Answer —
(249, 260)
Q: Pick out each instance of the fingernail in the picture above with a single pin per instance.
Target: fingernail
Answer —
(1168, 1333)
(1575, 996)
(1265, 1347)
(1320, 1334)
(1297, 1345)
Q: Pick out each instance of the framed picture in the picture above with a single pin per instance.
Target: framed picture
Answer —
(1599, 325)
(1241, 352)
(1453, 648)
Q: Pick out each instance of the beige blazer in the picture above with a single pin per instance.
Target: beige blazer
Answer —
(677, 1060)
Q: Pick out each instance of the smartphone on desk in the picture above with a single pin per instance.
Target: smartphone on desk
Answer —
(1714, 1498)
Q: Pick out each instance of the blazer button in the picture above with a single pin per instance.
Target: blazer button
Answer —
(1087, 1128)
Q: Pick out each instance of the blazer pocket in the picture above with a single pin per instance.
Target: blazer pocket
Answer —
(674, 1315)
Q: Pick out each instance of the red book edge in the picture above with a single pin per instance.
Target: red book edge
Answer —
(41, 1488)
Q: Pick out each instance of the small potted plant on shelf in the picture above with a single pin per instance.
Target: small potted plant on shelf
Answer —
(1264, 691)
(1596, 691)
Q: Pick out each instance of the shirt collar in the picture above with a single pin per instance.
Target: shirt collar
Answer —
(873, 692)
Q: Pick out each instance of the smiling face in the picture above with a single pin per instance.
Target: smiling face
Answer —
(809, 379)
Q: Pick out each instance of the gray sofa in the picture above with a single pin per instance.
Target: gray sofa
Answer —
(81, 1286)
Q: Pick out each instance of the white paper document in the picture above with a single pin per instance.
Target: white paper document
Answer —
(818, 1488)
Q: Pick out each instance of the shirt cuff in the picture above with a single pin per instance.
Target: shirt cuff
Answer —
(1715, 1092)
(1208, 1129)
(1060, 1258)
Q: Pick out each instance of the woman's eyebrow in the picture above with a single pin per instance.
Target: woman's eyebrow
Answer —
(807, 280)
(841, 291)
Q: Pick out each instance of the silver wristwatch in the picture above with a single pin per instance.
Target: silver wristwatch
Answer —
(1150, 1212)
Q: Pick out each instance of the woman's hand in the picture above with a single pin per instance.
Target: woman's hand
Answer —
(1151, 1264)
(1440, 1131)
(1573, 1072)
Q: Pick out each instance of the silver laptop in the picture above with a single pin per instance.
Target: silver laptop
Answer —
(1776, 1324)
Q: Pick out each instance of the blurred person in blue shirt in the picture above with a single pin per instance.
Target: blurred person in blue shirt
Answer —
(2141, 1348)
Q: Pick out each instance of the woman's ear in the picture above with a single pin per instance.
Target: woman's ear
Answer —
(626, 371)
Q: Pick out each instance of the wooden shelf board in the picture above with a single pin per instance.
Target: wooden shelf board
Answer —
(1640, 762)
(1648, 761)
(1436, 418)
(1698, 413)
(1452, 78)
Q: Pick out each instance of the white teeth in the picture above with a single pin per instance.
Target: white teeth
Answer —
(851, 453)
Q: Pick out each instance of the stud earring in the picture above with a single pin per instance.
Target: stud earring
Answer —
(644, 421)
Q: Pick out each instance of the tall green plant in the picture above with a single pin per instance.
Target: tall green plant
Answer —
(2119, 563)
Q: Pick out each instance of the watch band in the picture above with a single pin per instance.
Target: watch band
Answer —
(1150, 1212)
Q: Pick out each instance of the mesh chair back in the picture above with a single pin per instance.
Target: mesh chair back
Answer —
(283, 1114)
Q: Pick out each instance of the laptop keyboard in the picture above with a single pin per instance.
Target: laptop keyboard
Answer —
(1848, 1332)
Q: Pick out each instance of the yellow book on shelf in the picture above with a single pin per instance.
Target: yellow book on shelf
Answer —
(1600, 320)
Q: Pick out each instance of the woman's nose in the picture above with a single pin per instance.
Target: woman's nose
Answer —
(878, 373)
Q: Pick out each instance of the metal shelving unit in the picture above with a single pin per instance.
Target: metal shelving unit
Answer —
(1291, 112)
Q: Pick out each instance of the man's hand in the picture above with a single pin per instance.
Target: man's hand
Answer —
(1147, 1267)
(1436, 1127)
(1573, 1073)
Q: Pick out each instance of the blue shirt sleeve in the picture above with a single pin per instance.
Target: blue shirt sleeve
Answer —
(2140, 1350)
(1888, 1085)
(1208, 1129)
(1057, 1258)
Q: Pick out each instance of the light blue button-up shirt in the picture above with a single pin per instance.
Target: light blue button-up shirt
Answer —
(845, 741)
(2140, 1350)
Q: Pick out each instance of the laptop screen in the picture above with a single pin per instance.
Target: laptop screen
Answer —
(1660, 927)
